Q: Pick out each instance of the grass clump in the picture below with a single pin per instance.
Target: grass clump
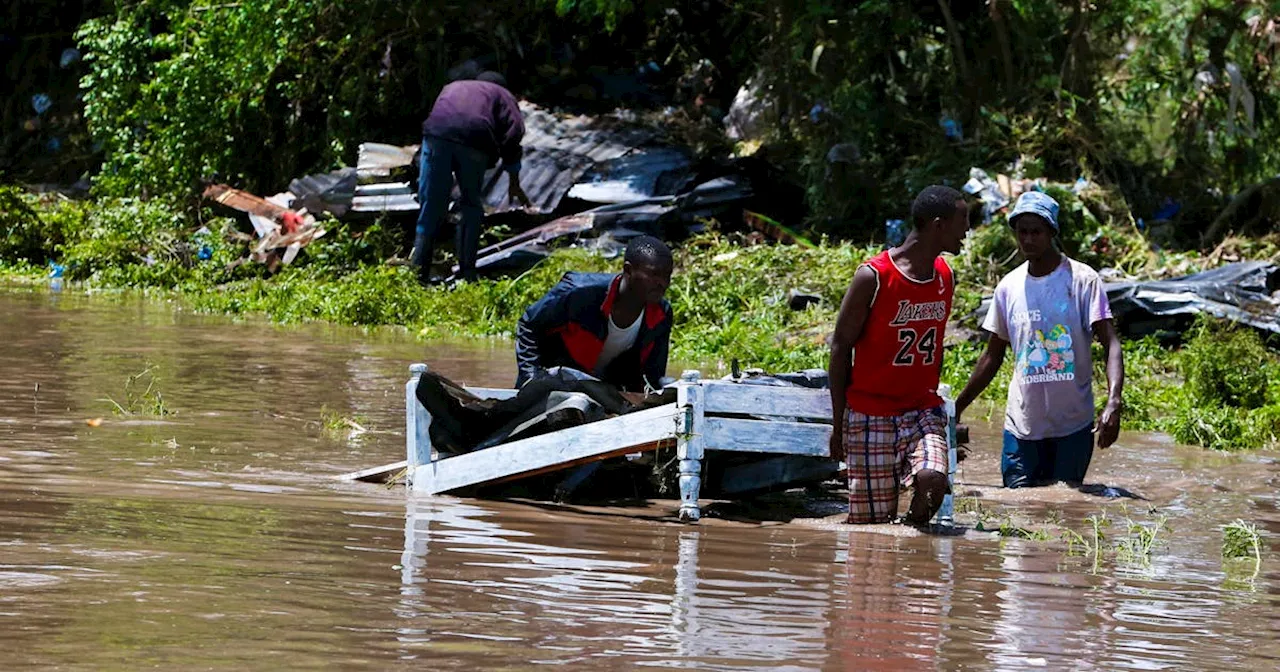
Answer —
(141, 401)
(1008, 528)
(1142, 537)
(341, 427)
(23, 234)
(1241, 540)
(1226, 366)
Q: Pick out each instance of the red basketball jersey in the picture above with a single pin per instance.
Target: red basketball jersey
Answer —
(898, 358)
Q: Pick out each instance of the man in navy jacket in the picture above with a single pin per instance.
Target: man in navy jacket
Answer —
(473, 123)
(614, 327)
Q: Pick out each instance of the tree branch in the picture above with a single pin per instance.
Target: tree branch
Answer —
(953, 35)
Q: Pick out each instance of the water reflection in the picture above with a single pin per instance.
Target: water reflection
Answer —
(656, 602)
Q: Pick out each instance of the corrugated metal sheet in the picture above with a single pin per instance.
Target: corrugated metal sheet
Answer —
(375, 159)
(642, 173)
(373, 199)
(560, 150)
(367, 205)
(385, 189)
(330, 192)
(608, 159)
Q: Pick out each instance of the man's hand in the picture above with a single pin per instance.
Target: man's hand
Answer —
(516, 193)
(836, 446)
(1109, 424)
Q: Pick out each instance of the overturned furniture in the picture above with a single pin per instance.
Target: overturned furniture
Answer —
(787, 428)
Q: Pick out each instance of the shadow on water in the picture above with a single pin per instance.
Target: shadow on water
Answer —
(1108, 492)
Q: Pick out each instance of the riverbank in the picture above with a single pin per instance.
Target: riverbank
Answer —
(730, 298)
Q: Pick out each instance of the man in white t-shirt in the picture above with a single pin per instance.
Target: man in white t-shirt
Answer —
(1049, 309)
(614, 327)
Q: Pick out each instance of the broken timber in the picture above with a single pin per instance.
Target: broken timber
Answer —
(713, 415)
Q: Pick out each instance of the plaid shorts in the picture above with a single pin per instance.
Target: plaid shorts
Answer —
(884, 453)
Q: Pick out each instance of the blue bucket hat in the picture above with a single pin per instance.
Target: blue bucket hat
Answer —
(1036, 203)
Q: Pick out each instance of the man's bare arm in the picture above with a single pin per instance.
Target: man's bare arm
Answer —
(849, 324)
(983, 373)
(1109, 421)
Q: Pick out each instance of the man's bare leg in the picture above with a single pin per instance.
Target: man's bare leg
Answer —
(930, 488)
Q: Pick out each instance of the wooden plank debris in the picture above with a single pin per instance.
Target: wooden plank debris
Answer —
(767, 436)
(549, 452)
(380, 474)
(760, 400)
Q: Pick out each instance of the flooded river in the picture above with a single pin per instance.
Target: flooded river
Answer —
(217, 538)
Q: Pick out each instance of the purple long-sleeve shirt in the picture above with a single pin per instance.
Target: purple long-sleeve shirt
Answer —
(479, 114)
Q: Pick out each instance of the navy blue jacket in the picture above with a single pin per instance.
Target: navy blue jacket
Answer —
(568, 327)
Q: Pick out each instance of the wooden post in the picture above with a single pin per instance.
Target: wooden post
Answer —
(689, 442)
(417, 422)
(946, 512)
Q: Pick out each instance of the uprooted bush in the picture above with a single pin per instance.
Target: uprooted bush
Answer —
(1230, 399)
(1227, 366)
(24, 235)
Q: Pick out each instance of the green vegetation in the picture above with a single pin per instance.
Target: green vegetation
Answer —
(729, 298)
(1135, 549)
(1241, 540)
(1132, 546)
(863, 102)
(1010, 529)
(340, 427)
(148, 401)
(1231, 399)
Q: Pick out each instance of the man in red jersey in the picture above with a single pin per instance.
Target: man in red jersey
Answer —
(887, 418)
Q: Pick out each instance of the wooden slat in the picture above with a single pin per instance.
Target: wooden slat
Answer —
(795, 402)
(549, 452)
(376, 474)
(767, 436)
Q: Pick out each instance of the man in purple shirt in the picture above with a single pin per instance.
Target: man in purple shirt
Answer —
(472, 124)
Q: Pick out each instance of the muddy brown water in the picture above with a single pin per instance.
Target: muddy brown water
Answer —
(217, 538)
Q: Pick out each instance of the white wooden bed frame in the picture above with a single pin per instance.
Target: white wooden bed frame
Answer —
(707, 415)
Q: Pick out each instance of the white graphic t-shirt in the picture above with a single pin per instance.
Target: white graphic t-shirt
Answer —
(1048, 322)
